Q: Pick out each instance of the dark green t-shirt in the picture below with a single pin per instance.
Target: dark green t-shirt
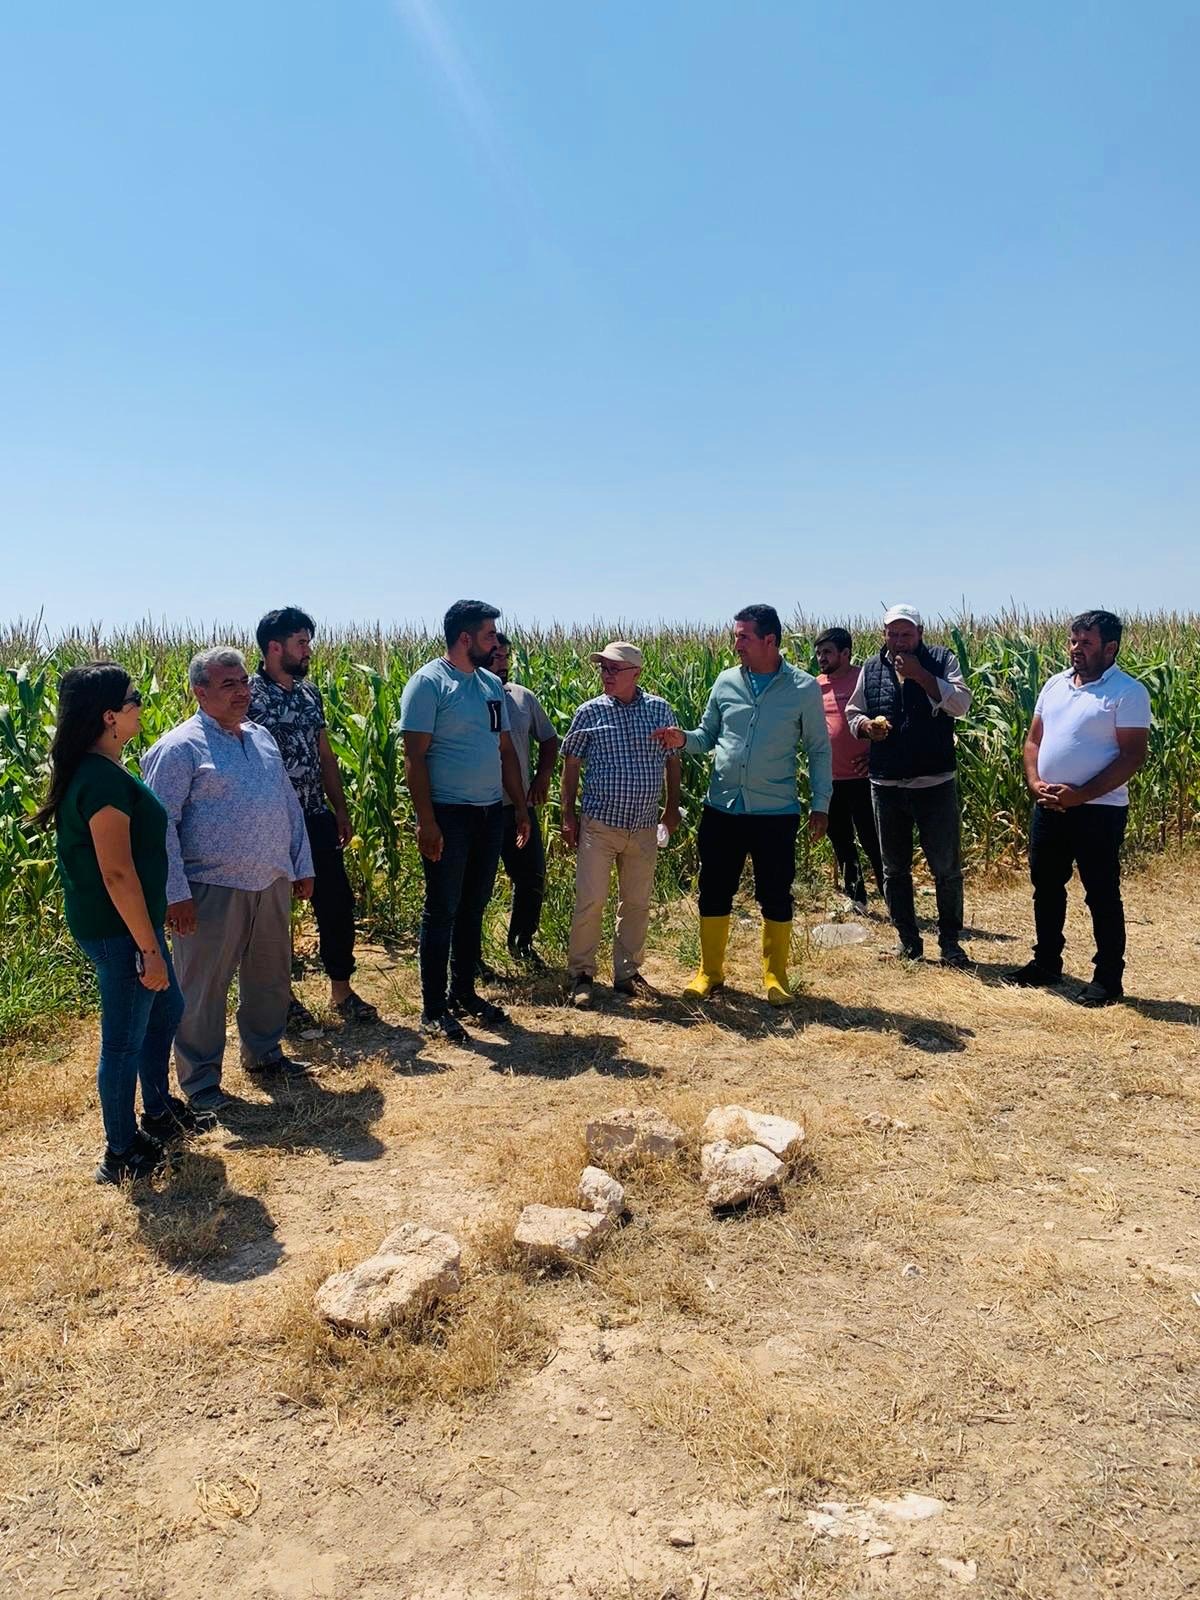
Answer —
(100, 782)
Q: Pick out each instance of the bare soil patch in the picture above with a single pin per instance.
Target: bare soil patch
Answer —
(983, 1285)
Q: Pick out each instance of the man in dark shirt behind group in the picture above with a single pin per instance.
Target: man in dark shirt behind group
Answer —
(283, 701)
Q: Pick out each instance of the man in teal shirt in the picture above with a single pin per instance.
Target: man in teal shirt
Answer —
(758, 715)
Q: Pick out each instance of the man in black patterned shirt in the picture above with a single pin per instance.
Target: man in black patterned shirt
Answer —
(291, 709)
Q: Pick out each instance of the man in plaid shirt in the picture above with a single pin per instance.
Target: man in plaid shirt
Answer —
(610, 740)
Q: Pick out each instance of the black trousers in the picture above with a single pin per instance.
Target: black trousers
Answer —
(934, 814)
(527, 872)
(333, 898)
(457, 890)
(724, 841)
(850, 812)
(1087, 837)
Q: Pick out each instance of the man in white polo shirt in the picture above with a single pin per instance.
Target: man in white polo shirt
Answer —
(1089, 735)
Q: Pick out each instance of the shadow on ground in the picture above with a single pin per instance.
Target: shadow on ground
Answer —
(198, 1225)
(525, 1052)
(305, 1115)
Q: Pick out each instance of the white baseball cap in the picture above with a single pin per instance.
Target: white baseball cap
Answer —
(903, 614)
(625, 655)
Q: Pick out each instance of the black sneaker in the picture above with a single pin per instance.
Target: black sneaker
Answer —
(281, 1067)
(444, 1027)
(474, 1005)
(1097, 994)
(582, 991)
(485, 973)
(953, 955)
(906, 952)
(1031, 976)
(143, 1159)
(635, 988)
(178, 1121)
(527, 956)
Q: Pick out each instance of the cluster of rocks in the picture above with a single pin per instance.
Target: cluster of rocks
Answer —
(745, 1154)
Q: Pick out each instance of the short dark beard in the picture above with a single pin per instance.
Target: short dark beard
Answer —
(299, 670)
(481, 658)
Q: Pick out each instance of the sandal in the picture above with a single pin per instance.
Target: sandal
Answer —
(357, 1010)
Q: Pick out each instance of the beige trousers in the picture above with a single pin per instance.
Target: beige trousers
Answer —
(634, 852)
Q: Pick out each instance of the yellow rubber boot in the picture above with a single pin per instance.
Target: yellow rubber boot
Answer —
(776, 946)
(714, 936)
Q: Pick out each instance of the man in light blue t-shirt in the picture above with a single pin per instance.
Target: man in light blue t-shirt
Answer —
(1089, 735)
(460, 761)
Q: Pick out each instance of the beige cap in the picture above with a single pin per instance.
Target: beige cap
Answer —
(625, 655)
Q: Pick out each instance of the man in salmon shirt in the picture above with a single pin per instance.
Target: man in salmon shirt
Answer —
(850, 809)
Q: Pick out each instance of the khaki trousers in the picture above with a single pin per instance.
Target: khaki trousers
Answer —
(634, 852)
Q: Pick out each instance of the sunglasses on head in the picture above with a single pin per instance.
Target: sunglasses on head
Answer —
(133, 698)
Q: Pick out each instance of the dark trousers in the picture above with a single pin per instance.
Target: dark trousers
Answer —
(527, 871)
(724, 841)
(1087, 837)
(851, 812)
(332, 898)
(934, 814)
(457, 890)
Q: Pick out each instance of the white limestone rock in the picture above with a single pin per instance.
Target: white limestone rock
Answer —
(737, 1125)
(413, 1267)
(599, 1192)
(623, 1134)
(550, 1235)
(735, 1174)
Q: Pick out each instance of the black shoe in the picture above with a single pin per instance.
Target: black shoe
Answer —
(1031, 976)
(1096, 994)
(143, 1159)
(300, 1019)
(178, 1121)
(281, 1067)
(527, 956)
(484, 973)
(474, 1005)
(636, 988)
(582, 991)
(444, 1027)
(907, 952)
(207, 1102)
(953, 955)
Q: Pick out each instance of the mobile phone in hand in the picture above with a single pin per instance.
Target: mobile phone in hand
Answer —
(139, 963)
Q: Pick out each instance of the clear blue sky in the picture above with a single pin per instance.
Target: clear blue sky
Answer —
(637, 308)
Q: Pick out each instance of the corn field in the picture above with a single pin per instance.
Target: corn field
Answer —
(361, 675)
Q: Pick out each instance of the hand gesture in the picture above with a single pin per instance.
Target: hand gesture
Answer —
(669, 738)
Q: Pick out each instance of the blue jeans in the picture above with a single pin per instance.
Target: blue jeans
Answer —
(137, 1026)
(457, 890)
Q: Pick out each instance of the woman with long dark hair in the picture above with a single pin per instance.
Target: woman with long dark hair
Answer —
(112, 857)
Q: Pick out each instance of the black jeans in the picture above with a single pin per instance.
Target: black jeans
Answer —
(724, 841)
(527, 871)
(934, 814)
(850, 812)
(333, 898)
(1087, 837)
(457, 890)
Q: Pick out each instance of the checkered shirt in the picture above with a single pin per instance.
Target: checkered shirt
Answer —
(623, 767)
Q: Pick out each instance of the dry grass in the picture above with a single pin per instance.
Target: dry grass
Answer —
(981, 1282)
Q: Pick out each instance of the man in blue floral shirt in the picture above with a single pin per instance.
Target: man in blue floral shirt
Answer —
(283, 701)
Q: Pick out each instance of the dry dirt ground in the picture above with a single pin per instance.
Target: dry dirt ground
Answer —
(983, 1285)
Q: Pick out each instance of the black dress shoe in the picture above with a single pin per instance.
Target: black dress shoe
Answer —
(1031, 976)
(1095, 994)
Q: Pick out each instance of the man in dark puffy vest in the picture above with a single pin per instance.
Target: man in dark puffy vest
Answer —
(906, 702)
